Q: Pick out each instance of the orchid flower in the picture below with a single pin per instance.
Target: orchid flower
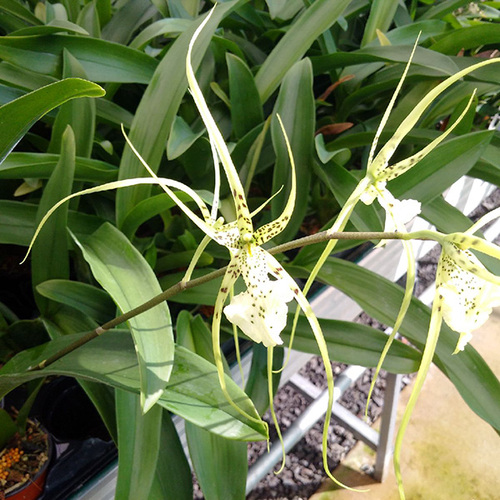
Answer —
(261, 310)
(465, 294)
(372, 186)
(379, 172)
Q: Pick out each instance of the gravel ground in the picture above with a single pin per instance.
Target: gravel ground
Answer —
(303, 472)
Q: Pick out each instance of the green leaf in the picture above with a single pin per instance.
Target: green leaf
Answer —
(18, 116)
(201, 294)
(180, 260)
(468, 371)
(193, 334)
(79, 114)
(216, 457)
(158, 108)
(54, 26)
(89, 19)
(126, 21)
(407, 34)
(380, 18)
(102, 61)
(90, 300)
(212, 455)
(125, 275)
(29, 80)
(66, 321)
(193, 391)
(104, 11)
(18, 10)
(50, 257)
(166, 27)
(355, 344)
(147, 209)
(423, 59)
(441, 168)
(103, 398)
(246, 109)
(173, 478)
(295, 105)
(17, 222)
(467, 122)
(284, 9)
(181, 138)
(442, 8)
(488, 167)
(257, 381)
(303, 32)
(444, 216)
(41, 166)
(7, 428)
(138, 446)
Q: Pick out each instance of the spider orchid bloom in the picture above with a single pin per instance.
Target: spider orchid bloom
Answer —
(465, 294)
(379, 171)
(261, 310)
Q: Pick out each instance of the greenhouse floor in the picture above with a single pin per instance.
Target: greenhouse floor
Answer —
(448, 453)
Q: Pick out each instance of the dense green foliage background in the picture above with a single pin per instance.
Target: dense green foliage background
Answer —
(328, 67)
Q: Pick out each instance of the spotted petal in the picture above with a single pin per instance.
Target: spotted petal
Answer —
(467, 298)
(268, 231)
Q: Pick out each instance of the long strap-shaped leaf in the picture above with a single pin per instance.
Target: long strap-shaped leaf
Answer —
(123, 272)
(16, 117)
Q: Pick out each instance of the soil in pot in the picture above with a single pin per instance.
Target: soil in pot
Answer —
(23, 464)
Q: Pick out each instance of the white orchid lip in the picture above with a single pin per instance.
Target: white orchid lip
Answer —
(262, 316)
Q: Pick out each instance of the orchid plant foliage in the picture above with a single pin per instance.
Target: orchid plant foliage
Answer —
(465, 290)
(260, 311)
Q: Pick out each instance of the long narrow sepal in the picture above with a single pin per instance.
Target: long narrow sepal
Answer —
(372, 167)
(410, 283)
(228, 280)
(242, 211)
(270, 351)
(117, 185)
(278, 271)
(428, 354)
(206, 224)
(409, 122)
(401, 167)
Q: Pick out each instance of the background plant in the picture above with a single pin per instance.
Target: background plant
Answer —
(323, 68)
